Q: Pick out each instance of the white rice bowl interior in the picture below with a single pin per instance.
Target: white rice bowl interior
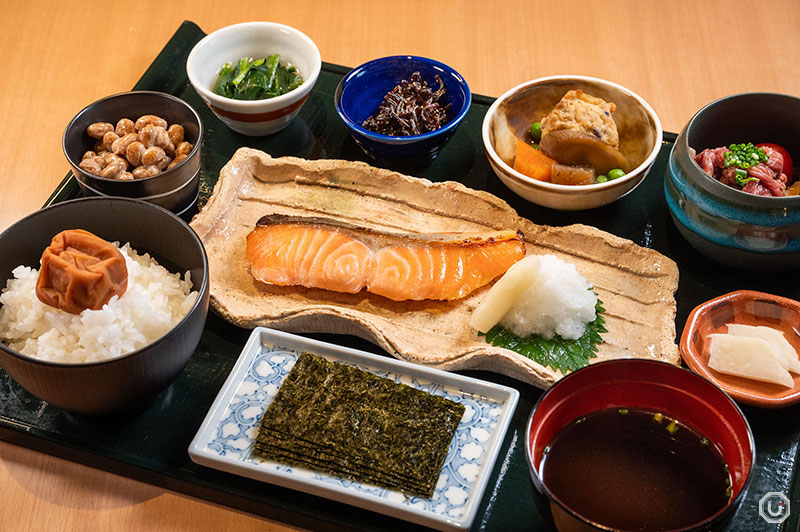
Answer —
(559, 302)
(154, 302)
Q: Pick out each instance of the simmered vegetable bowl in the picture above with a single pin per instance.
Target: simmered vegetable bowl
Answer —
(577, 143)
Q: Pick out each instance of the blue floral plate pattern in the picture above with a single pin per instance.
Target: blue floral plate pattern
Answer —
(225, 439)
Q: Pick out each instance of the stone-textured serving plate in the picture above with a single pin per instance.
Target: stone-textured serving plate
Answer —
(225, 439)
(636, 284)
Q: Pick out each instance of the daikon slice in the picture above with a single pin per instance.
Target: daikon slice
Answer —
(786, 354)
(505, 293)
(743, 356)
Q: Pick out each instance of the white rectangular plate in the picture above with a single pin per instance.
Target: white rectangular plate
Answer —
(225, 439)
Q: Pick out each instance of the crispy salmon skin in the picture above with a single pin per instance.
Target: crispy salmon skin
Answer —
(324, 253)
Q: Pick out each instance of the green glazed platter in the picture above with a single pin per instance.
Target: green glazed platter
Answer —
(152, 447)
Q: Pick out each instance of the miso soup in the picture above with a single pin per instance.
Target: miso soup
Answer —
(636, 469)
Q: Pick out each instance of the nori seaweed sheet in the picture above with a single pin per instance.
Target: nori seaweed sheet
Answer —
(338, 419)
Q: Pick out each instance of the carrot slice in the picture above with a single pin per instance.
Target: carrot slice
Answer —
(532, 162)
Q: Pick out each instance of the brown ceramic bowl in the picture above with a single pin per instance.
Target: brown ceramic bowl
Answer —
(749, 308)
(130, 382)
(511, 115)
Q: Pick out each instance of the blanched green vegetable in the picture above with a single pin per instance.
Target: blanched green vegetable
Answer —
(256, 79)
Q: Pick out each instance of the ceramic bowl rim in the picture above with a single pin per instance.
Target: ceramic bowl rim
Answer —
(632, 175)
(399, 140)
(170, 97)
(735, 502)
(255, 106)
(711, 185)
(82, 365)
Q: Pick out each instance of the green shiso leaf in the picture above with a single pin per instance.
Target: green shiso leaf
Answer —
(557, 352)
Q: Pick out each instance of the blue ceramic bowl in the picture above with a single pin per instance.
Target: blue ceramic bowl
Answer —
(362, 90)
(723, 223)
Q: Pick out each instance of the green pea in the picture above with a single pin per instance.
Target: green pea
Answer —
(535, 146)
(536, 131)
(601, 179)
(616, 173)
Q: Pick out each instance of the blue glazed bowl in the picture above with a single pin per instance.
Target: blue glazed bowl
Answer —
(362, 90)
(727, 225)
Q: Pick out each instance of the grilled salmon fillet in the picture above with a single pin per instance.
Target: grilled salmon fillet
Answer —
(324, 253)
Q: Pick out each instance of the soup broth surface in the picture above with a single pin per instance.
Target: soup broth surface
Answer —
(636, 469)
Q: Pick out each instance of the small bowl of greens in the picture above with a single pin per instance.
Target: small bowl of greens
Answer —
(255, 76)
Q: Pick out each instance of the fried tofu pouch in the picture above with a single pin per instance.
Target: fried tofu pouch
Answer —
(580, 131)
(581, 112)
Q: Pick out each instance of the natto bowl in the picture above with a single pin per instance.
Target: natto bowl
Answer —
(256, 40)
(175, 189)
(127, 383)
(727, 225)
(363, 89)
(636, 383)
(510, 117)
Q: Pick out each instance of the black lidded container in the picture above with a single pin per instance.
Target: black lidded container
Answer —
(175, 189)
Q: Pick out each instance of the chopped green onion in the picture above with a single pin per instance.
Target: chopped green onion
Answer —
(744, 156)
(742, 179)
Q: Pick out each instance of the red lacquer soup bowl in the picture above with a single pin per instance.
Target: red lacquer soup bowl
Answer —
(675, 392)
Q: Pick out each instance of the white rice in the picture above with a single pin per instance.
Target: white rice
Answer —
(154, 302)
(558, 302)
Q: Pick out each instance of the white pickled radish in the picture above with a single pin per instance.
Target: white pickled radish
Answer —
(786, 354)
(747, 357)
(505, 293)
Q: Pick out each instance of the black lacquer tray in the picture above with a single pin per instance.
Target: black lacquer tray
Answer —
(152, 447)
